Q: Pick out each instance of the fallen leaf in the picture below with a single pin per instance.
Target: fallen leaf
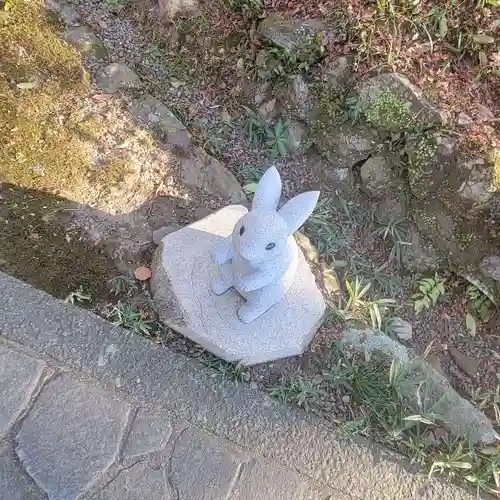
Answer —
(251, 188)
(28, 85)
(143, 273)
(483, 39)
(470, 322)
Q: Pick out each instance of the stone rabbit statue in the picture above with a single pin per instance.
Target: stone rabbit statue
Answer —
(259, 260)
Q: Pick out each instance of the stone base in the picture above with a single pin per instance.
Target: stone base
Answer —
(182, 272)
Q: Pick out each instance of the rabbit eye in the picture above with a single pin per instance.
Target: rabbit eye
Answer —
(270, 246)
(242, 230)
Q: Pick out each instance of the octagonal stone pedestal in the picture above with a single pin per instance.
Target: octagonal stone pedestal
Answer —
(182, 272)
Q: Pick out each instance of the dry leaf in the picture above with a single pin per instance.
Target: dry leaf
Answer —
(143, 273)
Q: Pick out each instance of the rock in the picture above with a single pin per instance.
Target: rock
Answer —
(465, 363)
(401, 328)
(201, 170)
(309, 250)
(69, 16)
(23, 374)
(345, 145)
(182, 271)
(422, 256)
(296, 133)
(296, 99)
(341, 178)
(15, 484)
(479, 185)
(139, 481)
(85, 41)
(483, 113)
(393, 207)
(72, 427)
(262, 93)
(377, 177)
(267, 109)
(153, 112)
(464, 120)
(340, 73)
(457, 414)
(201, 467)
(150, 432)
(116, 76)
(431, 159)
(289, 34)
(490, 266)
(169, 8)
(394, 102)
(160, 233)
(434, 361)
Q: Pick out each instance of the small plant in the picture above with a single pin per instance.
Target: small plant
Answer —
(128, 315)
(430, 289)
(480, 302)
(396, 229)
(389, 112)
(298, 390)
(489, 400)
(357, 307)
(123, 285)
(247, 7)
(77, 296)
(353, 108)
(228, 371)
(277, 139)
(254, 127)
(115, 5)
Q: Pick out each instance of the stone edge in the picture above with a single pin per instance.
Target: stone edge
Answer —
(152, 375)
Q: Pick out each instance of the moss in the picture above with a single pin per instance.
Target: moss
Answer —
(326, 100)
(93, 128)
(114, 173)
(418, 159)
(389, 112)
(37, 150)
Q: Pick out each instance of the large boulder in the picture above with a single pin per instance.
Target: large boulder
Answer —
(346, 144)
(377, 176)
(390, 102)
(289, 34)
(296, 99)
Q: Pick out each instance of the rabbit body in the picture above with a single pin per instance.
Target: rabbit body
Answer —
(259, 260)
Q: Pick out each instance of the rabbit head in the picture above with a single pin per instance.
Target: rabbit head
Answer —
(262, 234)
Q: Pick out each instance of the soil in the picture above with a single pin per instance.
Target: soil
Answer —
(191, 65)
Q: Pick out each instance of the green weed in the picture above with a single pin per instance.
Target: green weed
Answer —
(116, 5)
(247, 7)
(395, 229)
(277, 139)
(123, 285)
(128, 315)
(235, 372)
(481, 303)
(297, 390)
(430, 289)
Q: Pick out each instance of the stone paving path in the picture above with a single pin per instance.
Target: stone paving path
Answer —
(89, 411)
(66, 439)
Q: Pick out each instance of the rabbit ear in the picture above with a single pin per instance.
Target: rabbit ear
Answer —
(296, 211)
(268, 193)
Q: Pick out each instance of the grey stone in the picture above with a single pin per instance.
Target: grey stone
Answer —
(68, 15)
(85, 41)
(74, 337)
(296, 134)
(418, 107)
(116, 76)
(464, 120)
(339, 177)
(401, 328)
(14, 483)
(150, 432)
(340, 73)
(465, 363)
(169, 8)
(137, 482)
(267, 109)
(296, 98)
(478, 187)
(20, 375)
(265, 481)
(160, 233)
(490, 266)
(395, 207)
(154, 113)
(344, 146)
(203, 171)
(202, 467)
(70, 436)
(422, 254)
(289, 34)
(183, 270)
(377, 178)
(458, 415)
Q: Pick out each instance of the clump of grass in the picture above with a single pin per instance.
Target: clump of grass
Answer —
(130, 316)
(296, 390)
(235, 372)
(396, 230)
(249, 8)
(389, 112)
(480, 302)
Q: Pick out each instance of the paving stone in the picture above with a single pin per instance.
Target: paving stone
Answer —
(263, 481)
(19, 375)
(116, 76)
(150, 432)
(14, 483)
(139, 482)
(70, 436)
(202, 467)
(85, 41)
